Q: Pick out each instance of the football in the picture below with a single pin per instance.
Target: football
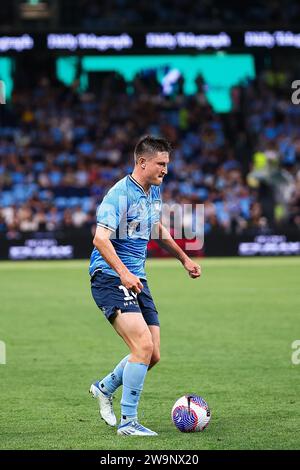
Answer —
(191, 413)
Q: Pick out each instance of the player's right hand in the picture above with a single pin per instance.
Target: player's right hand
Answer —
(132, 282)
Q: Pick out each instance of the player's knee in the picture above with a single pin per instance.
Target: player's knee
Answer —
(146, 349)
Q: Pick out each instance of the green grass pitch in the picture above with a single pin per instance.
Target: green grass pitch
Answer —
(226, 337)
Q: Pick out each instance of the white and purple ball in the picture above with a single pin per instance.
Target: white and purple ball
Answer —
(191, 413)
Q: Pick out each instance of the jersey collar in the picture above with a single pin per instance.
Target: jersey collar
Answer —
(139, 186)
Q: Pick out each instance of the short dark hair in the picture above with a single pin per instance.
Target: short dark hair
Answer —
(150, 145)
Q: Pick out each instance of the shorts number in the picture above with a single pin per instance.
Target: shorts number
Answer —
(128, 295)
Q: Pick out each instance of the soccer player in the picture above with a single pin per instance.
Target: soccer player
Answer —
(125, 220)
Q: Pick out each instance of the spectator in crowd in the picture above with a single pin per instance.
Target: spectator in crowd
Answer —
(66, 149)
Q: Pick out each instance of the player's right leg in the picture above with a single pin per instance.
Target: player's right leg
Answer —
(132, 327)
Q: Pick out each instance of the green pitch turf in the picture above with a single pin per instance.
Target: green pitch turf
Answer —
(226, 337)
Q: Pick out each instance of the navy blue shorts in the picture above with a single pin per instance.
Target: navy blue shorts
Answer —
(110, 296)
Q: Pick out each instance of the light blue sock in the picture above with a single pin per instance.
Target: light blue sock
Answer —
(133, 380)
(112, 381)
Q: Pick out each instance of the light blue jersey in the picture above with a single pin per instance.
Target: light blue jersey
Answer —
(130, 214)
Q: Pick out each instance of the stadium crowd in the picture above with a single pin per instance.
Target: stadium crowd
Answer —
(106, 14)
(60, 151)
(111, 15)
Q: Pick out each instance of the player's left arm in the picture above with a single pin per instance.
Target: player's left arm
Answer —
(166, 241)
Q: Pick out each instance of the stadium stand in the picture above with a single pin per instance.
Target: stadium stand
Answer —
(60, 151)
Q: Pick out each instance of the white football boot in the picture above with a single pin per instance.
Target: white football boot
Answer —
(105, 404)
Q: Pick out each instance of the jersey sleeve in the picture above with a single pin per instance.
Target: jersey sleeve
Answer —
(112, 209)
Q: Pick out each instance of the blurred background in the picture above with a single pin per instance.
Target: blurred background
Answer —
(83, 80)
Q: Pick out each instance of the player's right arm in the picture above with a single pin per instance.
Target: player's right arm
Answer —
(105, 247)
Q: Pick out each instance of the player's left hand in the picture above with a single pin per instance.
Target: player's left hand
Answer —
(192, 268)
